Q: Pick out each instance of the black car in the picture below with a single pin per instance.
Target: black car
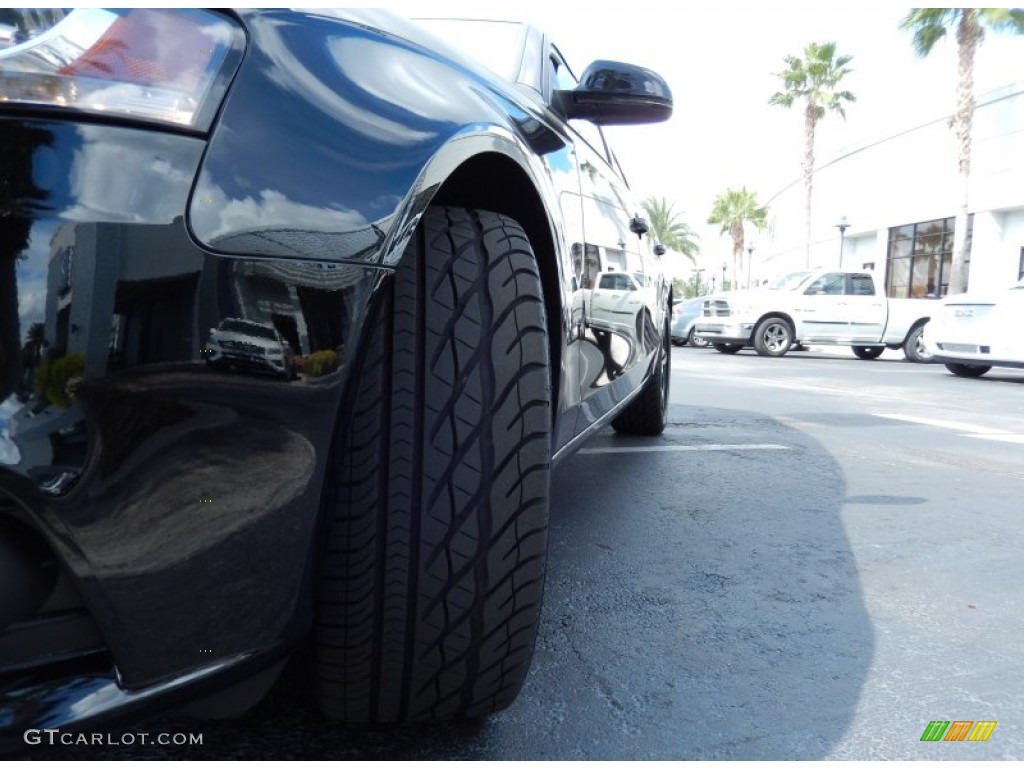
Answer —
(421, 231)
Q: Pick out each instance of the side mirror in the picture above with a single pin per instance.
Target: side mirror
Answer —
(612, 93)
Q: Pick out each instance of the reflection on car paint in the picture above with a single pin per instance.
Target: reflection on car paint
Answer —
(107, 394)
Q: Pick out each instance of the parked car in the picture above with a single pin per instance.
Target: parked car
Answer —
(420, 218)
(684, 317)
(819, 307)
(249, 345)
(971, 333)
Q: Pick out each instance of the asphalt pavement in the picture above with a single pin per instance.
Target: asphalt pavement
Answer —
(819, 558)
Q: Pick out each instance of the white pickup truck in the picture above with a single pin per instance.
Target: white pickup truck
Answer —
(822, 307)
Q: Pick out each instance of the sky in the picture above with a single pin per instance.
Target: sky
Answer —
(720, 59)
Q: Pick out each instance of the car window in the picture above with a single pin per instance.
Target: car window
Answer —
(788, 282)
(249, 329)
(563, 79)
(833, 284)
(616, 282)
(862, 285)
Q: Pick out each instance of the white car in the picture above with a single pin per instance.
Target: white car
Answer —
(971, 334)
(243, 343)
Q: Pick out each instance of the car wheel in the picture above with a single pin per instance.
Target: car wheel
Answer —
(437, 500)
(773, 337)
(868, 353)
(968, 371)
(914, 347)
(697, 341)
(727, 349)
(647, 414)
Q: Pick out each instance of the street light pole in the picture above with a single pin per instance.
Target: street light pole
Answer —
(842, 226)
(750, 261)
(725, 265)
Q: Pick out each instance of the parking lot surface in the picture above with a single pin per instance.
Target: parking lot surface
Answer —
(819, 558)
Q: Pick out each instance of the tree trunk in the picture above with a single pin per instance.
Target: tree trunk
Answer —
(967, 36)
(810, 121)
(736, 231)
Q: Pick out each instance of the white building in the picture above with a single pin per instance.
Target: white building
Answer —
(899, 193)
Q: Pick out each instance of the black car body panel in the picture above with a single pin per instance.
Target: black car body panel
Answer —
(182, 499)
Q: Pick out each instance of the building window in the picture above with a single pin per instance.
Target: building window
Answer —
(920, 258)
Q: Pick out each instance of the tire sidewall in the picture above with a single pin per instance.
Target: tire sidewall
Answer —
(763, 328)
(913, 348)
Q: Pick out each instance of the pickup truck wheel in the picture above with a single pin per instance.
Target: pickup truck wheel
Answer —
(696, 340)
(968, 371)
(914, 347)
(773, 337)
(647, 414)
(727, 349)
(868, 353)
(436, 500)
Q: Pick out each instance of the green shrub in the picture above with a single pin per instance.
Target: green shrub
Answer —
(321, 363)
(53, 376)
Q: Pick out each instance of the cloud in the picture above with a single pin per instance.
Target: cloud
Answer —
(272, 209)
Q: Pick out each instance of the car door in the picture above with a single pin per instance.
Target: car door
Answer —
(608, 353)
(866, 309)
(822, 309)
(615, 302)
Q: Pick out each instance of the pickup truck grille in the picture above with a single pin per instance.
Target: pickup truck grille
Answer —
(716, 308)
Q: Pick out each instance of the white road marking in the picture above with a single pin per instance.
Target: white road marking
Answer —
(1009, 438)
(959, 426)
(671, 448)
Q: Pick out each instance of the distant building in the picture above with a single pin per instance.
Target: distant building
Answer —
(899, 194)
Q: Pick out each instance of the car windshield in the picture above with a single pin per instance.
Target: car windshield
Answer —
(249, 329)
(495, 44)
(788, 282)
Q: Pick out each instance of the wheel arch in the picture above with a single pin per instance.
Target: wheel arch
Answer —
(775, 313)
(921, 321)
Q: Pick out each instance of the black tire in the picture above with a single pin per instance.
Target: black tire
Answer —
(647, 414)
(431, 580)
(773, 337)
(968, 371)
(868, 353)
(696, 340)
(914, 348)
(727, 349)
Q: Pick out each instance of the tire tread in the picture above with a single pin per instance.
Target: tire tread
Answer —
(438, 500)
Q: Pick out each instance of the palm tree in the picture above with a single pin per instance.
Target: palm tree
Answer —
(732, 209)
(813, 80)
(928, 26)
(670, 230)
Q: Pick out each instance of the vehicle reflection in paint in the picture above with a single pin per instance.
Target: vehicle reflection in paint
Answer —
(114, 429)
